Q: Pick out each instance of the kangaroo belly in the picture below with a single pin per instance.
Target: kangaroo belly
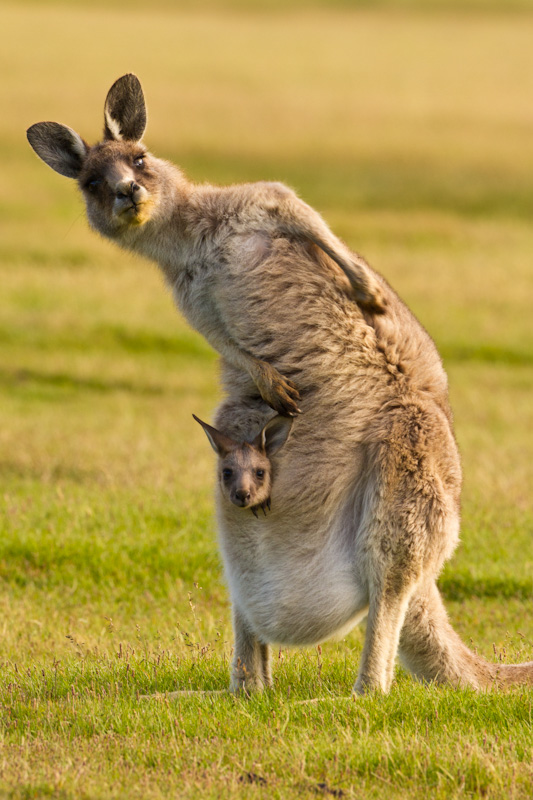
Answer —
(293, 595)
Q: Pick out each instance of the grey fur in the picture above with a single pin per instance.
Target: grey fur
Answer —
(365, 500)
(196, 233)
(59, 146)
(244, 468)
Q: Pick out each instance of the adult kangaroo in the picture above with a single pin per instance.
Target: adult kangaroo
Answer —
(365, 493)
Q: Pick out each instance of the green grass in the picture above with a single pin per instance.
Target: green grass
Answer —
(411, 131)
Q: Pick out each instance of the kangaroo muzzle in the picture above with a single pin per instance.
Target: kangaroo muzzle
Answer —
(241, 497)
(129, 199)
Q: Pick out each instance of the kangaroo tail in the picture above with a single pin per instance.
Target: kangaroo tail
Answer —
(432, 651)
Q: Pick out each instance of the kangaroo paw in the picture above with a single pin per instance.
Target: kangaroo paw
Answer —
(279, 392)
(367, 290)
(373, 302)
(263, 506)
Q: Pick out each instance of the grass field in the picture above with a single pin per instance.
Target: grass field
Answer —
(413, 133)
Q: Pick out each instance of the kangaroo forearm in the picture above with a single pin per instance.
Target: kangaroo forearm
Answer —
(251, 662)
(299, 219)
(276, 390)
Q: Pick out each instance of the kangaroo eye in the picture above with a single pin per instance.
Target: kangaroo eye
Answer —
(260, 473)
(226, 474)
(93, 184)
(139, 162)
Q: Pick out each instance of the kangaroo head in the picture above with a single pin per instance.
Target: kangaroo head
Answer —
(244, 468)
(122, 184)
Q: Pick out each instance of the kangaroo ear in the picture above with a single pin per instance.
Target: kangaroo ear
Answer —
(125, 110)
(220, 443)
(59, 147)
(274, 434)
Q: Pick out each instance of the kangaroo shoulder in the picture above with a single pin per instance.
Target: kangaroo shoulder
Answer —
(271, 193)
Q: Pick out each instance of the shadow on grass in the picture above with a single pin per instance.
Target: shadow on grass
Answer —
(463, 587)
(53, 474)
(62, 380)
(485, 354)
(108, 338)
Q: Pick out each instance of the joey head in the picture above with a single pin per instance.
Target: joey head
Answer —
(244, 468)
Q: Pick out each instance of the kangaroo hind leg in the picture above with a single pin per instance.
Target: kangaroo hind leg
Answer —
(409, 530)
(388, 605)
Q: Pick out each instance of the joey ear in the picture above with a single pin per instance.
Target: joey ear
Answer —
(59, 146)
(274, 434)
(220, 443)
(125, 110)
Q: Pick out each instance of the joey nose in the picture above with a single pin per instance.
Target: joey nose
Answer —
(242, 495)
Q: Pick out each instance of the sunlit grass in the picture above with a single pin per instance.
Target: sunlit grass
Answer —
(409, 127)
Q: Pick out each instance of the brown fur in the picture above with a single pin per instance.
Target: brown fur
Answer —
(192, 232)
(365, 496)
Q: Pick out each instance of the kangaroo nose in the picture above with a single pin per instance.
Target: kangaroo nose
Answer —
(242, 495)
(127, 189)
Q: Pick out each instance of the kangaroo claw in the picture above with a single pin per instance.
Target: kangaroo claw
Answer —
(284, 398)
(263, 506)
(279, 392)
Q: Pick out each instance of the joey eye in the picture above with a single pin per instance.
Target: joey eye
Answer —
(138, 162)
(260, 473)
(227, 473)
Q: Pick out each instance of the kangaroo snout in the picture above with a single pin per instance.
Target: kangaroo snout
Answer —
(241, 497)
(130, 196)
(127, 189)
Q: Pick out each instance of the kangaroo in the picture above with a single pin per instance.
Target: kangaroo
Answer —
(365, 501)
(197, 234)
(245, 468)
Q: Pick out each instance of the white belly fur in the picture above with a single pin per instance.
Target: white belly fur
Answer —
(291, 593)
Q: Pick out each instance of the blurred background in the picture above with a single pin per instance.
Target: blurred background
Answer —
(408, 125)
